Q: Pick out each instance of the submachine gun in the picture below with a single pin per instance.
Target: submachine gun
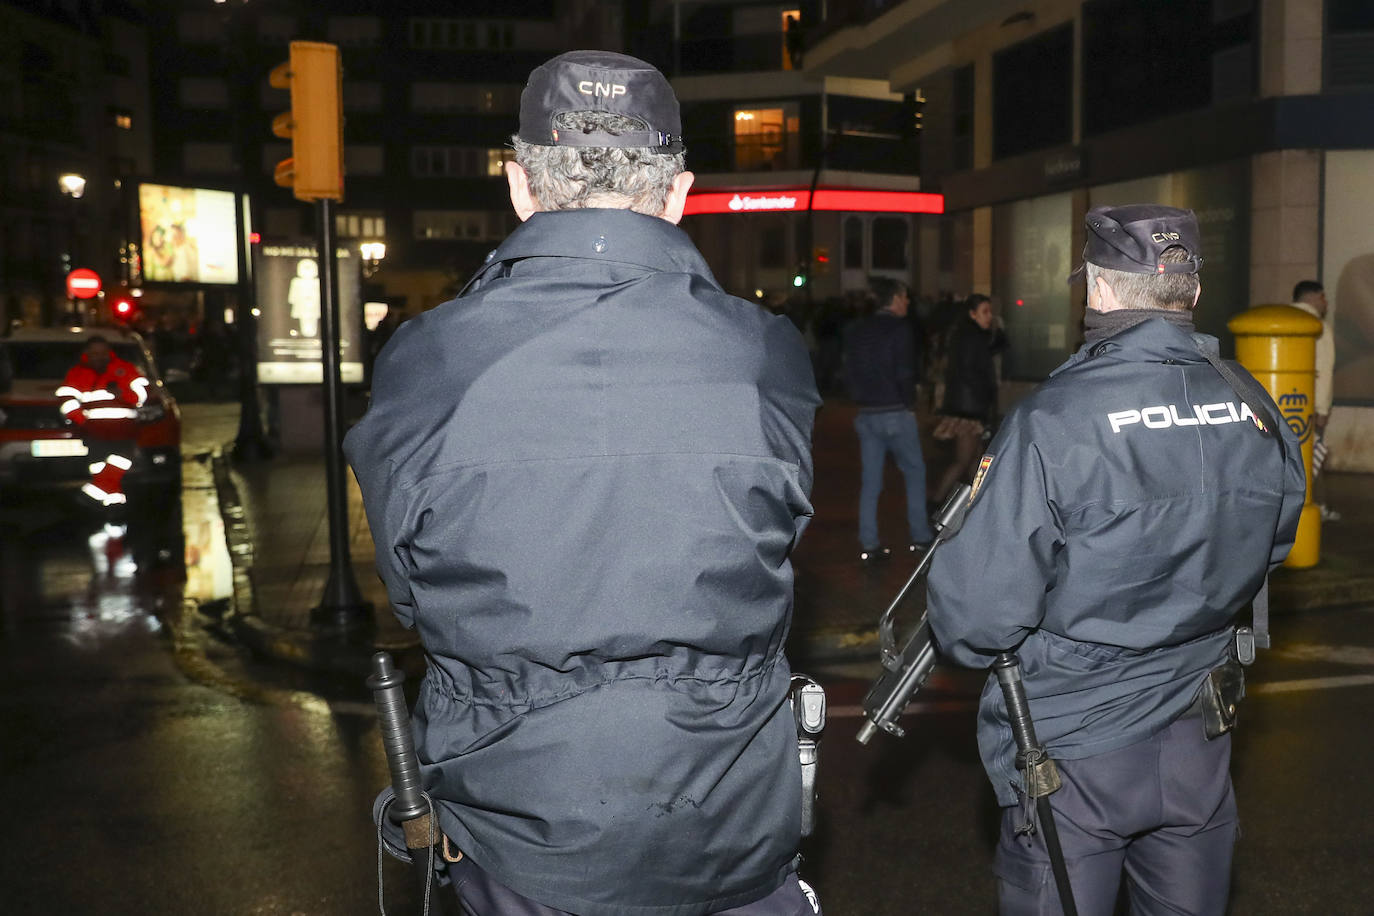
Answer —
(905, 671)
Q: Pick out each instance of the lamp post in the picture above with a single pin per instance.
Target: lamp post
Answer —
(372, 253)
(73, 187)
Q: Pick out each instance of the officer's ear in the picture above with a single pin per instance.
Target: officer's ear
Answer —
(1105, 295)
(677, 197)
(1197, 294)
(521, 197)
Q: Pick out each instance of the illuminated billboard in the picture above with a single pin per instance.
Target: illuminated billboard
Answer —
(188, 235)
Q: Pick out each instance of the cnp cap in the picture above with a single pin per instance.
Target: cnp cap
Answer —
(1133, 239)
(600, 81)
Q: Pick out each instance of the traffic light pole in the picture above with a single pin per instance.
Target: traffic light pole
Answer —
(342, 606)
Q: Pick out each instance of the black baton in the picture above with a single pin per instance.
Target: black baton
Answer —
(411, 810)
(1042, 776)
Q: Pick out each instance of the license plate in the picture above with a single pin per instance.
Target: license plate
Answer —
(57, 448)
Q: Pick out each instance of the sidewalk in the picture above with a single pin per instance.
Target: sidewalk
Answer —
(277, 527)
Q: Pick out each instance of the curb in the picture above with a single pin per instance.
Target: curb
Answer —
(322, 650)
(1337, 582)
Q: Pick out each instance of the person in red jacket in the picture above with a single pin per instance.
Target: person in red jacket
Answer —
(103, 394)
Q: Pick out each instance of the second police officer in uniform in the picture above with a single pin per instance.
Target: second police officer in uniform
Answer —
(1127, 510)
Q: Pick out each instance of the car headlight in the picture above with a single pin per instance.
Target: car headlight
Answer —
(152, 412)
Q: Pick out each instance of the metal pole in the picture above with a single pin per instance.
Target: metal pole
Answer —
(342, 605)
(250, 444)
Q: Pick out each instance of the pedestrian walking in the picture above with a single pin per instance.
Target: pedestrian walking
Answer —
(585, 477)
(1310, 296)
(970, 401)
(880, 370)
(1124, 515)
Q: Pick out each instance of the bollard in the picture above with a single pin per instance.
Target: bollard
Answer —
(1278, 344)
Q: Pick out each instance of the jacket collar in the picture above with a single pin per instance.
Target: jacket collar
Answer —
(598, 234)
(1152, 341)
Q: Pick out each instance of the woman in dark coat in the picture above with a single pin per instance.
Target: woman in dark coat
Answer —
(970, 388)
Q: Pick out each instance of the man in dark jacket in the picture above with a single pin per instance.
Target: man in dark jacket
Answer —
(880, 369)
(585, 477)
(1125, 513)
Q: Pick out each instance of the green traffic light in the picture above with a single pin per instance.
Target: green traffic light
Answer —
(799, 280)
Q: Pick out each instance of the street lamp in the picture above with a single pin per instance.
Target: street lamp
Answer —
(72, 184)
(373, 253)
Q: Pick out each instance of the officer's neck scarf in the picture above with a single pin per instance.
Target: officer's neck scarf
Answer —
(1101, 325)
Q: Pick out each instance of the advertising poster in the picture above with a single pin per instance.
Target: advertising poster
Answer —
(287, 280)
(188, 235)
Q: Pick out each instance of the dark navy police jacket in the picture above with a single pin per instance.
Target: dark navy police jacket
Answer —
(585, 478)
(1127, 510)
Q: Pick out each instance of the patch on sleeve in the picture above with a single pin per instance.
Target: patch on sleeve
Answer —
(978, 478)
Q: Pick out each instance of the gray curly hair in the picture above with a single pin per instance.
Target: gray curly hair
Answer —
(572, 177)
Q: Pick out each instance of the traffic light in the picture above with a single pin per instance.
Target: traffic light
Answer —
(799, 278)
(314, 125)
(123, 309)
(821, 256)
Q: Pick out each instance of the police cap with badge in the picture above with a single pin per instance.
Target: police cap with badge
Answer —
(600, 81)
(1134, 238)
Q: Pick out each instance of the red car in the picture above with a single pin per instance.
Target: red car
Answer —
(39, 447)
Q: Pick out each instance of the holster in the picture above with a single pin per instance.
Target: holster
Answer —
(1220, 698)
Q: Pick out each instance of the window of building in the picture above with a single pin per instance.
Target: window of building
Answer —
(1032, 94)
(463, 225)
(282, 222)
(214, 158)
(364, 159)
(853, 243)
(458, 161)
(767, 138)
(772, 236)
(961, 117)
(465, 97)
(276, 28)
(891, 243)
(200, 27)
(791, 39)
(117, 64)
(360, 224)
(122, 118)
(461, 34)
(272, 153)
(362, 95)
(1349, 46)
(354, 31)
(203, 92)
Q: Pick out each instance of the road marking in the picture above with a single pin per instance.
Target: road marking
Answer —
(1314, 683)
(1339, 655)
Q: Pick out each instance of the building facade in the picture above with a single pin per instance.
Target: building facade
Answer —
(431, 91)
(73, 101)
(805, 184)
(1257, 114)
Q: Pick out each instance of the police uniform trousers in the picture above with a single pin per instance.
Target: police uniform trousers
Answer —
(482, 895)
(1162, 811)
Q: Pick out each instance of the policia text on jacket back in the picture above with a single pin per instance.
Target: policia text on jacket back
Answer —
(585, 477)
(1124, 514)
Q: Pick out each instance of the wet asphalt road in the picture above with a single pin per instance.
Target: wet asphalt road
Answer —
(150, 768)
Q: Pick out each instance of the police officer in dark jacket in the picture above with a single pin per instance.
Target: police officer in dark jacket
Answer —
(880, 369)
(1123, 516)
(585, 477)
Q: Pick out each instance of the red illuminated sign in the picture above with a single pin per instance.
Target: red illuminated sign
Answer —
(789, 200)
(83, 283)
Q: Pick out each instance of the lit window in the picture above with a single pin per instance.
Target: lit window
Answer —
(497, 159)
(765, 138)
(123, 120)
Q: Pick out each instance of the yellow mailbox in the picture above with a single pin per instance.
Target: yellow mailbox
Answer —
(1278, 345)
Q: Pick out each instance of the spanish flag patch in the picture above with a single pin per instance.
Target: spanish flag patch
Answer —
(978, 478)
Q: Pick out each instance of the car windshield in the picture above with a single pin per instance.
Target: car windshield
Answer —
(50, 359)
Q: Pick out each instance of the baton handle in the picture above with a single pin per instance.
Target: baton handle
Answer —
(393, 719)
(1008, 668)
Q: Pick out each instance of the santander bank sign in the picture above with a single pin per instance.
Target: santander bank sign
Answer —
(784, 200)
(762, 202)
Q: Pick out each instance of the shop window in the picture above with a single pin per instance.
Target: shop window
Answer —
(772, 238)
(766, 138)
(853, 243)
(890, 243)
